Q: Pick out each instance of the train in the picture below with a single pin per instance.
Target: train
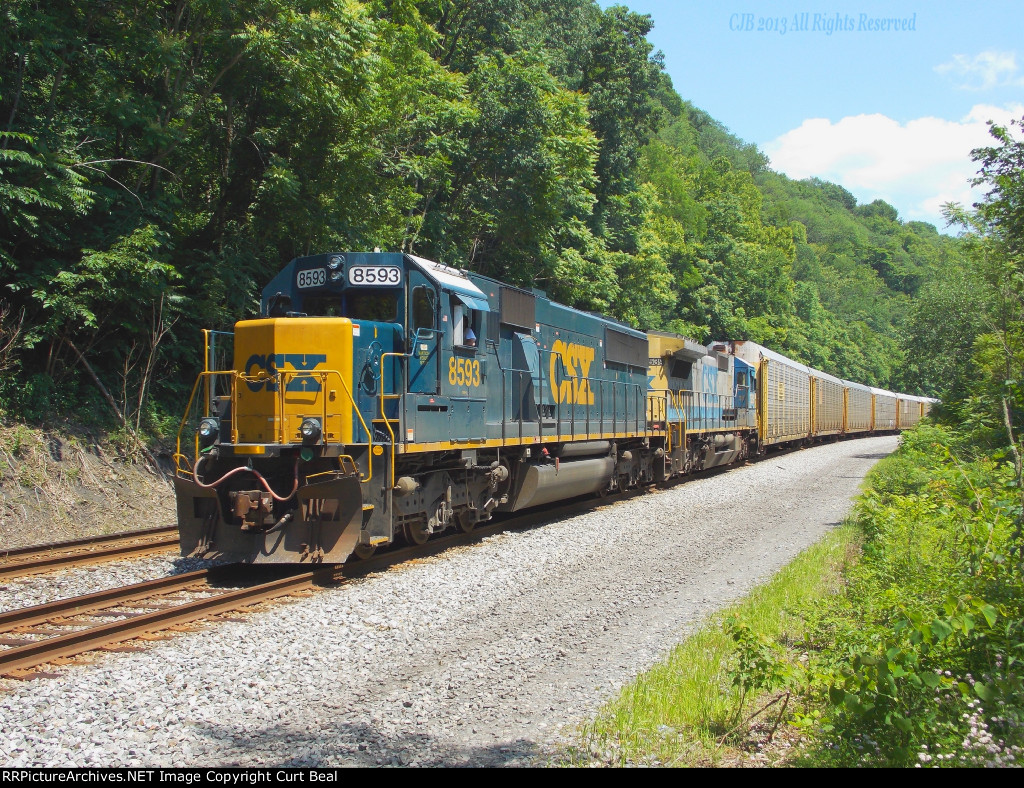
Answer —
(382, 397)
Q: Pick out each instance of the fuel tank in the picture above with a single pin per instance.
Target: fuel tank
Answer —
(547, 483)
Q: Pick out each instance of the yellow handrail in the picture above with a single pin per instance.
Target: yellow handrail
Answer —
(202, 378)
(283, 374)
(323, 374)
(383, 413)
(677, 401)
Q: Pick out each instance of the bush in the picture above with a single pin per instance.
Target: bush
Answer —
(918, 661)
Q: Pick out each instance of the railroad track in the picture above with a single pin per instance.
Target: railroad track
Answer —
(34, 636)
(95, 550)
(82, 552)
(38, 635)
(107, 620)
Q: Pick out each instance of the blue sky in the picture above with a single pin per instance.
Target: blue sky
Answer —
(891, 114)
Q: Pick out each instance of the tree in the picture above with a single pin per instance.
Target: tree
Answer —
(994, 245)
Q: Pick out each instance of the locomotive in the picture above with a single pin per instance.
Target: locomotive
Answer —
(381, 397)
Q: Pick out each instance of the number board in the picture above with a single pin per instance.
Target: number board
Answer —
(463, 371)
(313, 277)
(375, 276)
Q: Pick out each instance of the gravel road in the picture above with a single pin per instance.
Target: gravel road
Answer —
(485, 655)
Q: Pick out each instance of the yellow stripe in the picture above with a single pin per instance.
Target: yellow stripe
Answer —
(483, 443)
(490, 443)
(738, 428)
(249, 449)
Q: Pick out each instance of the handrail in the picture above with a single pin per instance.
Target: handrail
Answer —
(282, 390)
(708, 408)
(638, 390)
(201, 378)
(209, 351)
(281, 376)
(383, 413)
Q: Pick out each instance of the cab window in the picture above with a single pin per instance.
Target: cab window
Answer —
(465, 325)
(422, 308)
(377, 305)
(279, 305)
(681, 369)
(323, 306)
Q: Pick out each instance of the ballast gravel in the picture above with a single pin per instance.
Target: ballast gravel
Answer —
(482, 656)
(22, 592)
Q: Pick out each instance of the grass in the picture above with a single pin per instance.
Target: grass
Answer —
(686, 710)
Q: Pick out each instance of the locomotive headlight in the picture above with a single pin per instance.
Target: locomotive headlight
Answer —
(310, 430)
(335, 263)
(208, 429)
(336, 275)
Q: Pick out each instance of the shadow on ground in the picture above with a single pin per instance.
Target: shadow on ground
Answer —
(339, 744)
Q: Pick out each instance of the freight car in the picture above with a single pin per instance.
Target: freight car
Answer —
(382, 397)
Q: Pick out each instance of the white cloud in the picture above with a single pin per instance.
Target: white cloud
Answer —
(915, 166)
(984, 71)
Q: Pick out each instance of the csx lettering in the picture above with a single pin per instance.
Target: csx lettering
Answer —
(302, 362)
(463, 371)
(576, 360)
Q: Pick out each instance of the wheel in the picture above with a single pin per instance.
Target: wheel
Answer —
(416, 533)
(364, 551)
(465, 521)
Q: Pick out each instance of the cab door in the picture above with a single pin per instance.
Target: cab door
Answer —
(424, 337)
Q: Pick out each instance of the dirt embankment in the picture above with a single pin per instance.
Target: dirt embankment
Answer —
(59, 484)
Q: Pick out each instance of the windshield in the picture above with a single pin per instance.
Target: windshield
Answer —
(370, 304)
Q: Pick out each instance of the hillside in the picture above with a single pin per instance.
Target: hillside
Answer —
(64, 483)
(158, 167)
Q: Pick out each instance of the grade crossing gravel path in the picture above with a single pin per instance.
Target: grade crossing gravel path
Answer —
(482, 656)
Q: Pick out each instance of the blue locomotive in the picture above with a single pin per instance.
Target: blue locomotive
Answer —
(382, 395)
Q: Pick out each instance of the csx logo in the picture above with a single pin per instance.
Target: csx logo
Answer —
(270, 364)
(576, 360)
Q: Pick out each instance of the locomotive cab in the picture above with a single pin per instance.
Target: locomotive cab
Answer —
(291, 431)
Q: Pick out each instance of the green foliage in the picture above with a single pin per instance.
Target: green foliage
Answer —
(1001, 171)
(940, 361)
(986, 303)
(161, 162)
(918, 660)
(758, 664)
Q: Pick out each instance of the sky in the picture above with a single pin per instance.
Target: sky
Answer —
(824, 90)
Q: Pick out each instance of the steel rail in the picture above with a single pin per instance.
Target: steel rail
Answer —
(73, 643)
(81, 605)
(32, 560)
(57, 613)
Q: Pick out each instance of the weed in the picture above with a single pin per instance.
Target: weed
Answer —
(19, 439)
